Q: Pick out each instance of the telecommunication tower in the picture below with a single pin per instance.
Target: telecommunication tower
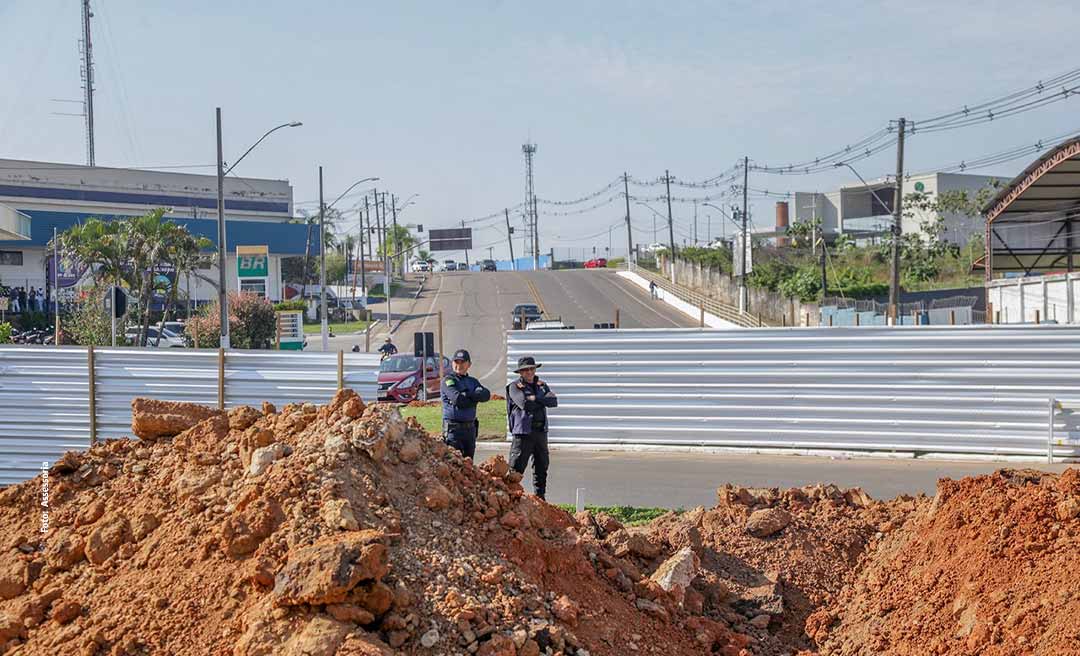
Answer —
(532, 243)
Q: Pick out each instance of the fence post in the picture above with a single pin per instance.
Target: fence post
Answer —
(1050, 436)
(341, 369)
(367, 333)
(857, 322)
(221, 378)
(616, 318)
(701, 324)
(441, 353)
(759, 324)
(1037, 317)
(783, 321)
(830, 320)
(952, 317)
(997, 317)
(807, 319)
(92, 388)
(990, 313)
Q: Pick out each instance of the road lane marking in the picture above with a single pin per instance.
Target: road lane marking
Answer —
(641, 302)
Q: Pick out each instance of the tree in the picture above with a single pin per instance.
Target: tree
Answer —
(404, 242)
(137, 253)
(802, 233)
(331, 218)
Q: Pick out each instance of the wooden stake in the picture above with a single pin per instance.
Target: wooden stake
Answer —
(221, 378)
(442, 353)
(92, 388)
(340, 369)
(701, 323)
(952, 317)
(616, 318)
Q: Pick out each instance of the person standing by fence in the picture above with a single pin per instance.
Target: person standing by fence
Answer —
(527, 401)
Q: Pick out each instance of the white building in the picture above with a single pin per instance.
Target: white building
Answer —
(48, 195)
(856, 210)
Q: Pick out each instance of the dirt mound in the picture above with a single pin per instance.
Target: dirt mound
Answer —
(988, 568)
(336, 530)
(771, 557)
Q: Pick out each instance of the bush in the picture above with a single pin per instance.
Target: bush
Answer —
(34, 321)
(769, 274)
(87, 322)
(251, 323)
(290, 306)
(804, 285)
(5, 333)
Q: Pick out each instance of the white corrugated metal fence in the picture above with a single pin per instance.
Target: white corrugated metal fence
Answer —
(963, 389)
(45, 391)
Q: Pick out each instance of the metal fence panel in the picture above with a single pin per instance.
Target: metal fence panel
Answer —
(963, 389)
(45, 394)
(43, 407)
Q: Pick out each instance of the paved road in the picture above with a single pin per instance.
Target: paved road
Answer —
(584, 297)
(476, 309)
(676, 479)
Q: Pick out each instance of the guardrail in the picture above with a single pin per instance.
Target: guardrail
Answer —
(699, 300)
(914, 390)
(54, 400)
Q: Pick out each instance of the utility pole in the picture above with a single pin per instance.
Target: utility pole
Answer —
(898, 213)
(88, 81)
(695, 224)
(670, 223)
(466, 250)
(325, 329)
(363, 261)
(223, 248)
(742, 251)
(510, 239)
(536, 236)
(393, 210)
(629, 232)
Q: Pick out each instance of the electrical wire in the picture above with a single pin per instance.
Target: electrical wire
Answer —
(1067, 81)
(577, 201)
(1017, 152)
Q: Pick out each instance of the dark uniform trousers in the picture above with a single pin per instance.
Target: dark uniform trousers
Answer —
(535, 446)
(462, 436)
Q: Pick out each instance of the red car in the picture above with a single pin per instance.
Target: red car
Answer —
(596, 263)
(399, 378)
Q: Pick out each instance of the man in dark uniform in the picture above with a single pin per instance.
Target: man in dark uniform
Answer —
(527, 401)
(460, 394)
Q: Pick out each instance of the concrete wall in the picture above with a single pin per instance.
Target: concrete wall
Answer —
(1054, 298)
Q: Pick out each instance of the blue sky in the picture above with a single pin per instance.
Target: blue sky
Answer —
(437, 98)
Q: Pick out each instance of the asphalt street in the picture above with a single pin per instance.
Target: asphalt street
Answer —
(477, 308)
(685, 479)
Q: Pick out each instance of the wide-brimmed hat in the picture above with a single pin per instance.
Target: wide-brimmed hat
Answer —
(527, 362)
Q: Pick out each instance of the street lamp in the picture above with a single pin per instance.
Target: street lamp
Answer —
(741, 254)
(325, 326)
(395, 208)
(894, 264)
(223, 300)
(655, 214)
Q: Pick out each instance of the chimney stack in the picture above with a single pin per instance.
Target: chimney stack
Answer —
(781, 221)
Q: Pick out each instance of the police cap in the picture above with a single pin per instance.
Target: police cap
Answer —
(462, 354)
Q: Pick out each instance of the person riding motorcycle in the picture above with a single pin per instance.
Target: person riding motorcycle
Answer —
(388, 348)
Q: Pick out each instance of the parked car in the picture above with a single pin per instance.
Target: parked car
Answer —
(529, 311)
(450, 265)
(177, 327)
(169, 339)
(488, 265)
(399, 377)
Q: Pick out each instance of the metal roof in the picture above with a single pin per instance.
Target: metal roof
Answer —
(280, 238)
(1050, 184)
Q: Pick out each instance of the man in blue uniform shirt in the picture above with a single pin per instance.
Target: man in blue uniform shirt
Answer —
(527, 401)
(460, 394)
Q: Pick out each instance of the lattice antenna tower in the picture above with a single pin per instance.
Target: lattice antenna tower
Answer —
(87, 71)
(532, 243)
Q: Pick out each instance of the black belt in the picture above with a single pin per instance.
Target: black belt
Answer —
(450, 422)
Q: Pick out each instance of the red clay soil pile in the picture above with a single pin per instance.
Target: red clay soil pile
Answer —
(771, 557)
(991, 567)
(317, 531)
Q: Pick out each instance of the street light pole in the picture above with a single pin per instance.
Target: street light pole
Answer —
(223, 301)
(324, 324)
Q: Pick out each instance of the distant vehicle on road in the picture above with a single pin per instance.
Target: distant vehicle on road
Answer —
(450, 265)
(421, 266)
(169, 339)
(555, 324)
(399, 377)
(529, 311)
(596, 263)
(656, 246)
(488, 265)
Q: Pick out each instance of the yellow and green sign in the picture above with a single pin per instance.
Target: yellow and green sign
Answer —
(252, 262)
